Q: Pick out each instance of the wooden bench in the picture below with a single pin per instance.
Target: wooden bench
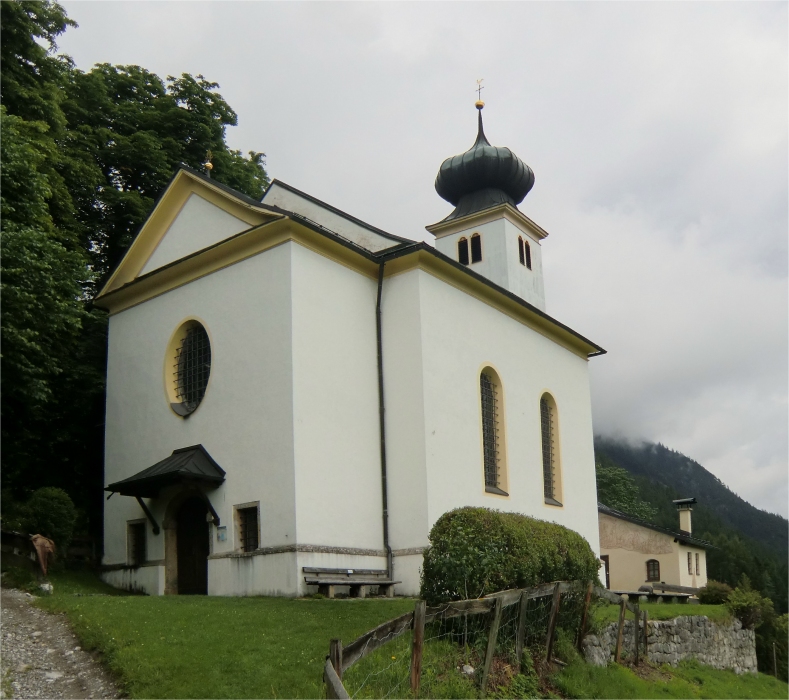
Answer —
(359, 580)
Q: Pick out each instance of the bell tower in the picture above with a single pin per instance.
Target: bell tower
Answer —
(486, 231)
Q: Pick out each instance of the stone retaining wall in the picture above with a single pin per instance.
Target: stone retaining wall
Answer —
(685, 637)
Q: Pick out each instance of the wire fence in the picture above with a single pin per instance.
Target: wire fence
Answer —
(459, 649)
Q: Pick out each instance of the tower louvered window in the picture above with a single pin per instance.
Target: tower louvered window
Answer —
(192, 367)
(463, 251)
(548, 449)
(521, 255)
(476, 248)
(527, 251)
(490, 429)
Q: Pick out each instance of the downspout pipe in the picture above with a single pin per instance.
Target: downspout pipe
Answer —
(382, 424)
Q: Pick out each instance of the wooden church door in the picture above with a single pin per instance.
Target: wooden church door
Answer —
(192, 543)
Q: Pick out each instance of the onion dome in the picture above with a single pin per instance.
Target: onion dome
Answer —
(483, 177)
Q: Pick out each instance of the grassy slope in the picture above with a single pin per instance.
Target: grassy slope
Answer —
(689, 680)
(198, 647)
(665, 611)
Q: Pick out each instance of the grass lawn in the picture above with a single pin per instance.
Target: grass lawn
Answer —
(688, 680)
(664, 611)
(211, 647)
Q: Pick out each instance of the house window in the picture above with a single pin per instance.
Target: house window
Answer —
(247, 518)
(492, 431)
(190, 350)
(463, 251)
(476, 248)
(698, 566)
(527, 251)
(136, 543)
(521, 255)
(653, 570)
(550, 462)
(690, 563)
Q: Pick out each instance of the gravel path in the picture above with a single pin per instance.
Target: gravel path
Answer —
(41, 657)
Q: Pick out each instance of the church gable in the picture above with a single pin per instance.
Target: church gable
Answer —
(192, 214)
(198, 225)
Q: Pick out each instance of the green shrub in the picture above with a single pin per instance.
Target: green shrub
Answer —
(771, 646)
(477, 551)
(714, 593)
(50, 512)
(748, 605)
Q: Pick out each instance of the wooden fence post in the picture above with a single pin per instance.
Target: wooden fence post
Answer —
(335, 655)
(417, 640)
(645, 614)
(334, 687)
(622, 609)
(520, 637)
(557, 596)
(582, 628)
(636, 635)
(492, 635)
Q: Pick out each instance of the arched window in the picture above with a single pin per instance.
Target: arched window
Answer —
(492, 432)
(476, 248)
(527, 251)
(520, 251)
(463, 251)
(551, 473)
(653, 570)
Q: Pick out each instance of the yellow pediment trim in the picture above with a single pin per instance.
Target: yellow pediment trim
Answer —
(183, 186)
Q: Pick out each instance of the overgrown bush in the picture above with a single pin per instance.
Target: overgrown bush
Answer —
(50, 512)
(714, 593)
(748, 605)
(477, 551)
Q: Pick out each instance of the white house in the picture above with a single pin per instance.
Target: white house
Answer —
(289, 387)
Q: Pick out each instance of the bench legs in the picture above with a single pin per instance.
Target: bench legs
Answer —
(326, 589)
(388, 590)
(359, 591)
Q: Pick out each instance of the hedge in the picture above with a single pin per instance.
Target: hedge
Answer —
(477, 551)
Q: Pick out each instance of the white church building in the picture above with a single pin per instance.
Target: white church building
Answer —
(294, 394)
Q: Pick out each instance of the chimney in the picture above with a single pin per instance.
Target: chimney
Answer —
(685, 507)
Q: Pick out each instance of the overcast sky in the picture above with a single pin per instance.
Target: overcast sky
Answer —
(657, 133)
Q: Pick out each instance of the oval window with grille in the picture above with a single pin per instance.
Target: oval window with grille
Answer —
(190, 367)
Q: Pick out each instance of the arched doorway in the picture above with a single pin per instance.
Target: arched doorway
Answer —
(192, 545)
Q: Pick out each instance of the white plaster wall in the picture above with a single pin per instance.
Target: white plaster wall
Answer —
(198, 225)
(500, 259)
(148, 579)
(290, 201)
(335, 404)
(693, 580)
(245, 419)
(405, 411)
(461, 335)
(272, 574)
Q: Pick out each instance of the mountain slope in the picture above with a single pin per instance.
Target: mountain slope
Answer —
(686, 477)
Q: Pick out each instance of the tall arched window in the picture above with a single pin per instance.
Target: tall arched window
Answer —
(653, 570)
(463, 251)
(520, 251)
(492, 432)
(476, 248)
(551, 473)
(528, 254)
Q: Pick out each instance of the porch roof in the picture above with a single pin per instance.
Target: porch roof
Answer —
(188, 464)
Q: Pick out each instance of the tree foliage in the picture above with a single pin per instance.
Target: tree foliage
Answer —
(84, 156)
(617, 489)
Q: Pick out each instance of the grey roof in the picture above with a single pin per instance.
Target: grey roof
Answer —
(680, 536)
(192, 464)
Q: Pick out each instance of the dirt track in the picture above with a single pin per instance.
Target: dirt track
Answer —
(41, 657)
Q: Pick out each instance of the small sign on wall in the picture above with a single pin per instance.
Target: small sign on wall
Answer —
(221, 534)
